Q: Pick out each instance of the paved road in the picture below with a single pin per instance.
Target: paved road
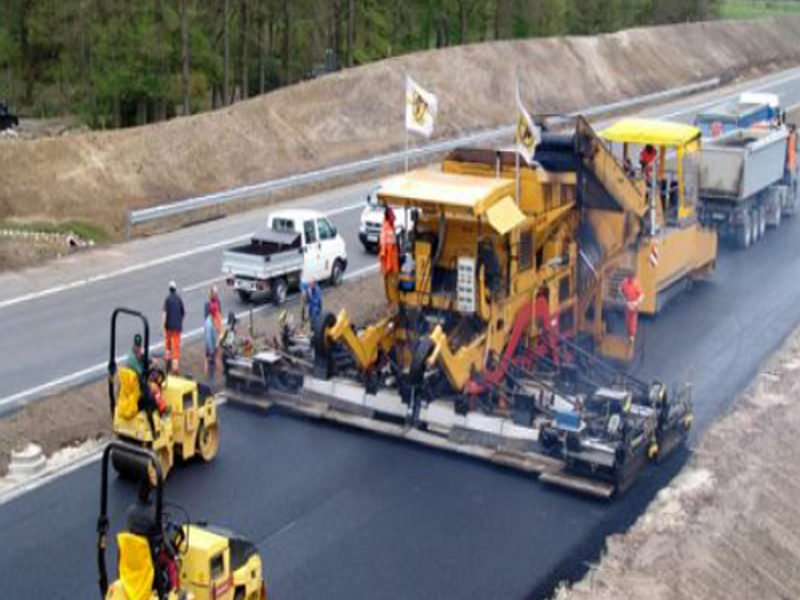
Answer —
(339, 514)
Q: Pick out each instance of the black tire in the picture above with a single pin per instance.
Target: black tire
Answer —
(778, 217)
(762, 222)
(325, 322)
(280, 290)
(744, 234)
(337, 273)
(245, 295)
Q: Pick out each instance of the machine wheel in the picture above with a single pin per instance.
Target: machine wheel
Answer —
(244, 295)
(337, 273)
(208, 441)
(280, 289)
(122, 463)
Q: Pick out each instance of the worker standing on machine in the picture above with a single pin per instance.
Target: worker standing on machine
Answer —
(547, 325)
(135, 361)
(389, 257)
(172, 321)
(647, 158)
(632, 292)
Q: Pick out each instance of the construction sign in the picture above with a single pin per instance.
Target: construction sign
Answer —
(421, 109)
(528, 134)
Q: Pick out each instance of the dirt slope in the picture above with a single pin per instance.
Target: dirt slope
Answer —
(728, 528)
(358, 113)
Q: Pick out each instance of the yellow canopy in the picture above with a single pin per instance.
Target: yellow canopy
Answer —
(505, 216)
(650, 131)
(471, 194)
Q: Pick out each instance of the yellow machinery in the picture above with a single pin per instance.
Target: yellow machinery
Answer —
(175, 561)
(483, 351)
(173, 416)
(673, 248)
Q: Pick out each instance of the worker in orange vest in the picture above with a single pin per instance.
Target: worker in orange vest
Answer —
(632, 292)
(389, 257)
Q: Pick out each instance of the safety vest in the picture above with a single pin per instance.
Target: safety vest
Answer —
(390, 262)
(632, 292)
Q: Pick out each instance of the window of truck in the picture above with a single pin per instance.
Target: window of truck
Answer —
(325, 229)
(309, 232)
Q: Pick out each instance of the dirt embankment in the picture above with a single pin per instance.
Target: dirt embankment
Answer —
(79, 414)
(358, 113)
(729, 525)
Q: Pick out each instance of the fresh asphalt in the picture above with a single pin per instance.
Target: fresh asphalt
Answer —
(339, 514)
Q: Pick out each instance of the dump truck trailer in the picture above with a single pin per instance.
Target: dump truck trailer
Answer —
(483, 351)
(748, 181)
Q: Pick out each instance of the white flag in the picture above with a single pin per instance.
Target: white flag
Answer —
(421, 107)
(528, 134)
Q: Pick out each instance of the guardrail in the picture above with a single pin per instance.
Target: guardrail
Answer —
(183, 207)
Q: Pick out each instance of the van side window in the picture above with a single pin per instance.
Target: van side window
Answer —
(217, 566)
(325, 229)
(279, 224)
(310, 232)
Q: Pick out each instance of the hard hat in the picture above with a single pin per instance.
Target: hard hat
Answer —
(173, 285)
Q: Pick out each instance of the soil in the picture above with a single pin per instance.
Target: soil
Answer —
(357, 113)
(729, 525)
(79, 414)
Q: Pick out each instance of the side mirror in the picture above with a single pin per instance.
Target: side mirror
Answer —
(334, 231)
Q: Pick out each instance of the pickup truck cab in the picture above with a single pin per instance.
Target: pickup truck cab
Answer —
(369, 229)
(295, 246)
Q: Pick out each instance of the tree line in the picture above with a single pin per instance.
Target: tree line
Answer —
(118, 63)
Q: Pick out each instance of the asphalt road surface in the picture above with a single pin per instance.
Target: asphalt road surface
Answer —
(339, 514)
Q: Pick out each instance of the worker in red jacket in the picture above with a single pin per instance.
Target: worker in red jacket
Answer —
(389, 256)
(647, 159)
(547, 325)
(632, 292)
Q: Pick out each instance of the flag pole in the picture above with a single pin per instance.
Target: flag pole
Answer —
(405, 125)
(516, 146)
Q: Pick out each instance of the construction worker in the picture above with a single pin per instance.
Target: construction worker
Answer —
(647, 159)
(632, 292)
(312, 296)
(172, 322)
(389, 256)
(135, 361)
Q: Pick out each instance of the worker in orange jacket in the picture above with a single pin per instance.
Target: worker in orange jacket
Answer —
(389, 256)
(632, 292)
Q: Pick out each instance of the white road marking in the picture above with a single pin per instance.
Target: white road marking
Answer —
(99, 367)
(146, 265)
(203, 284)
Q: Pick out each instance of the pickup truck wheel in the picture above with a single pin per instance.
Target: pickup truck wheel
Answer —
(245, 295)
(279, 292)
(337, 273)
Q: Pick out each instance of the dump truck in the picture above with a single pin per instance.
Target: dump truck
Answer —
(484, 350)
(749, 110)
(749, 181)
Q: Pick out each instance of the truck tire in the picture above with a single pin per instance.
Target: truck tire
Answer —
(762, 222)
(744, 233)
(778, 217)
(337, 273)
(280, 290)
(245, 295)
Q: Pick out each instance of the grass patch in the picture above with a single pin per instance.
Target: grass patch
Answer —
(757, 9)
(83, 229)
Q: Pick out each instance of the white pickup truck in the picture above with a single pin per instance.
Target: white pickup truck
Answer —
(369, 229)
(296, 245)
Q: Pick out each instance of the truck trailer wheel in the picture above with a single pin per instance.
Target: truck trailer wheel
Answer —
(744, 233)
(280, 289)
(244, 295)
(762, 222)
